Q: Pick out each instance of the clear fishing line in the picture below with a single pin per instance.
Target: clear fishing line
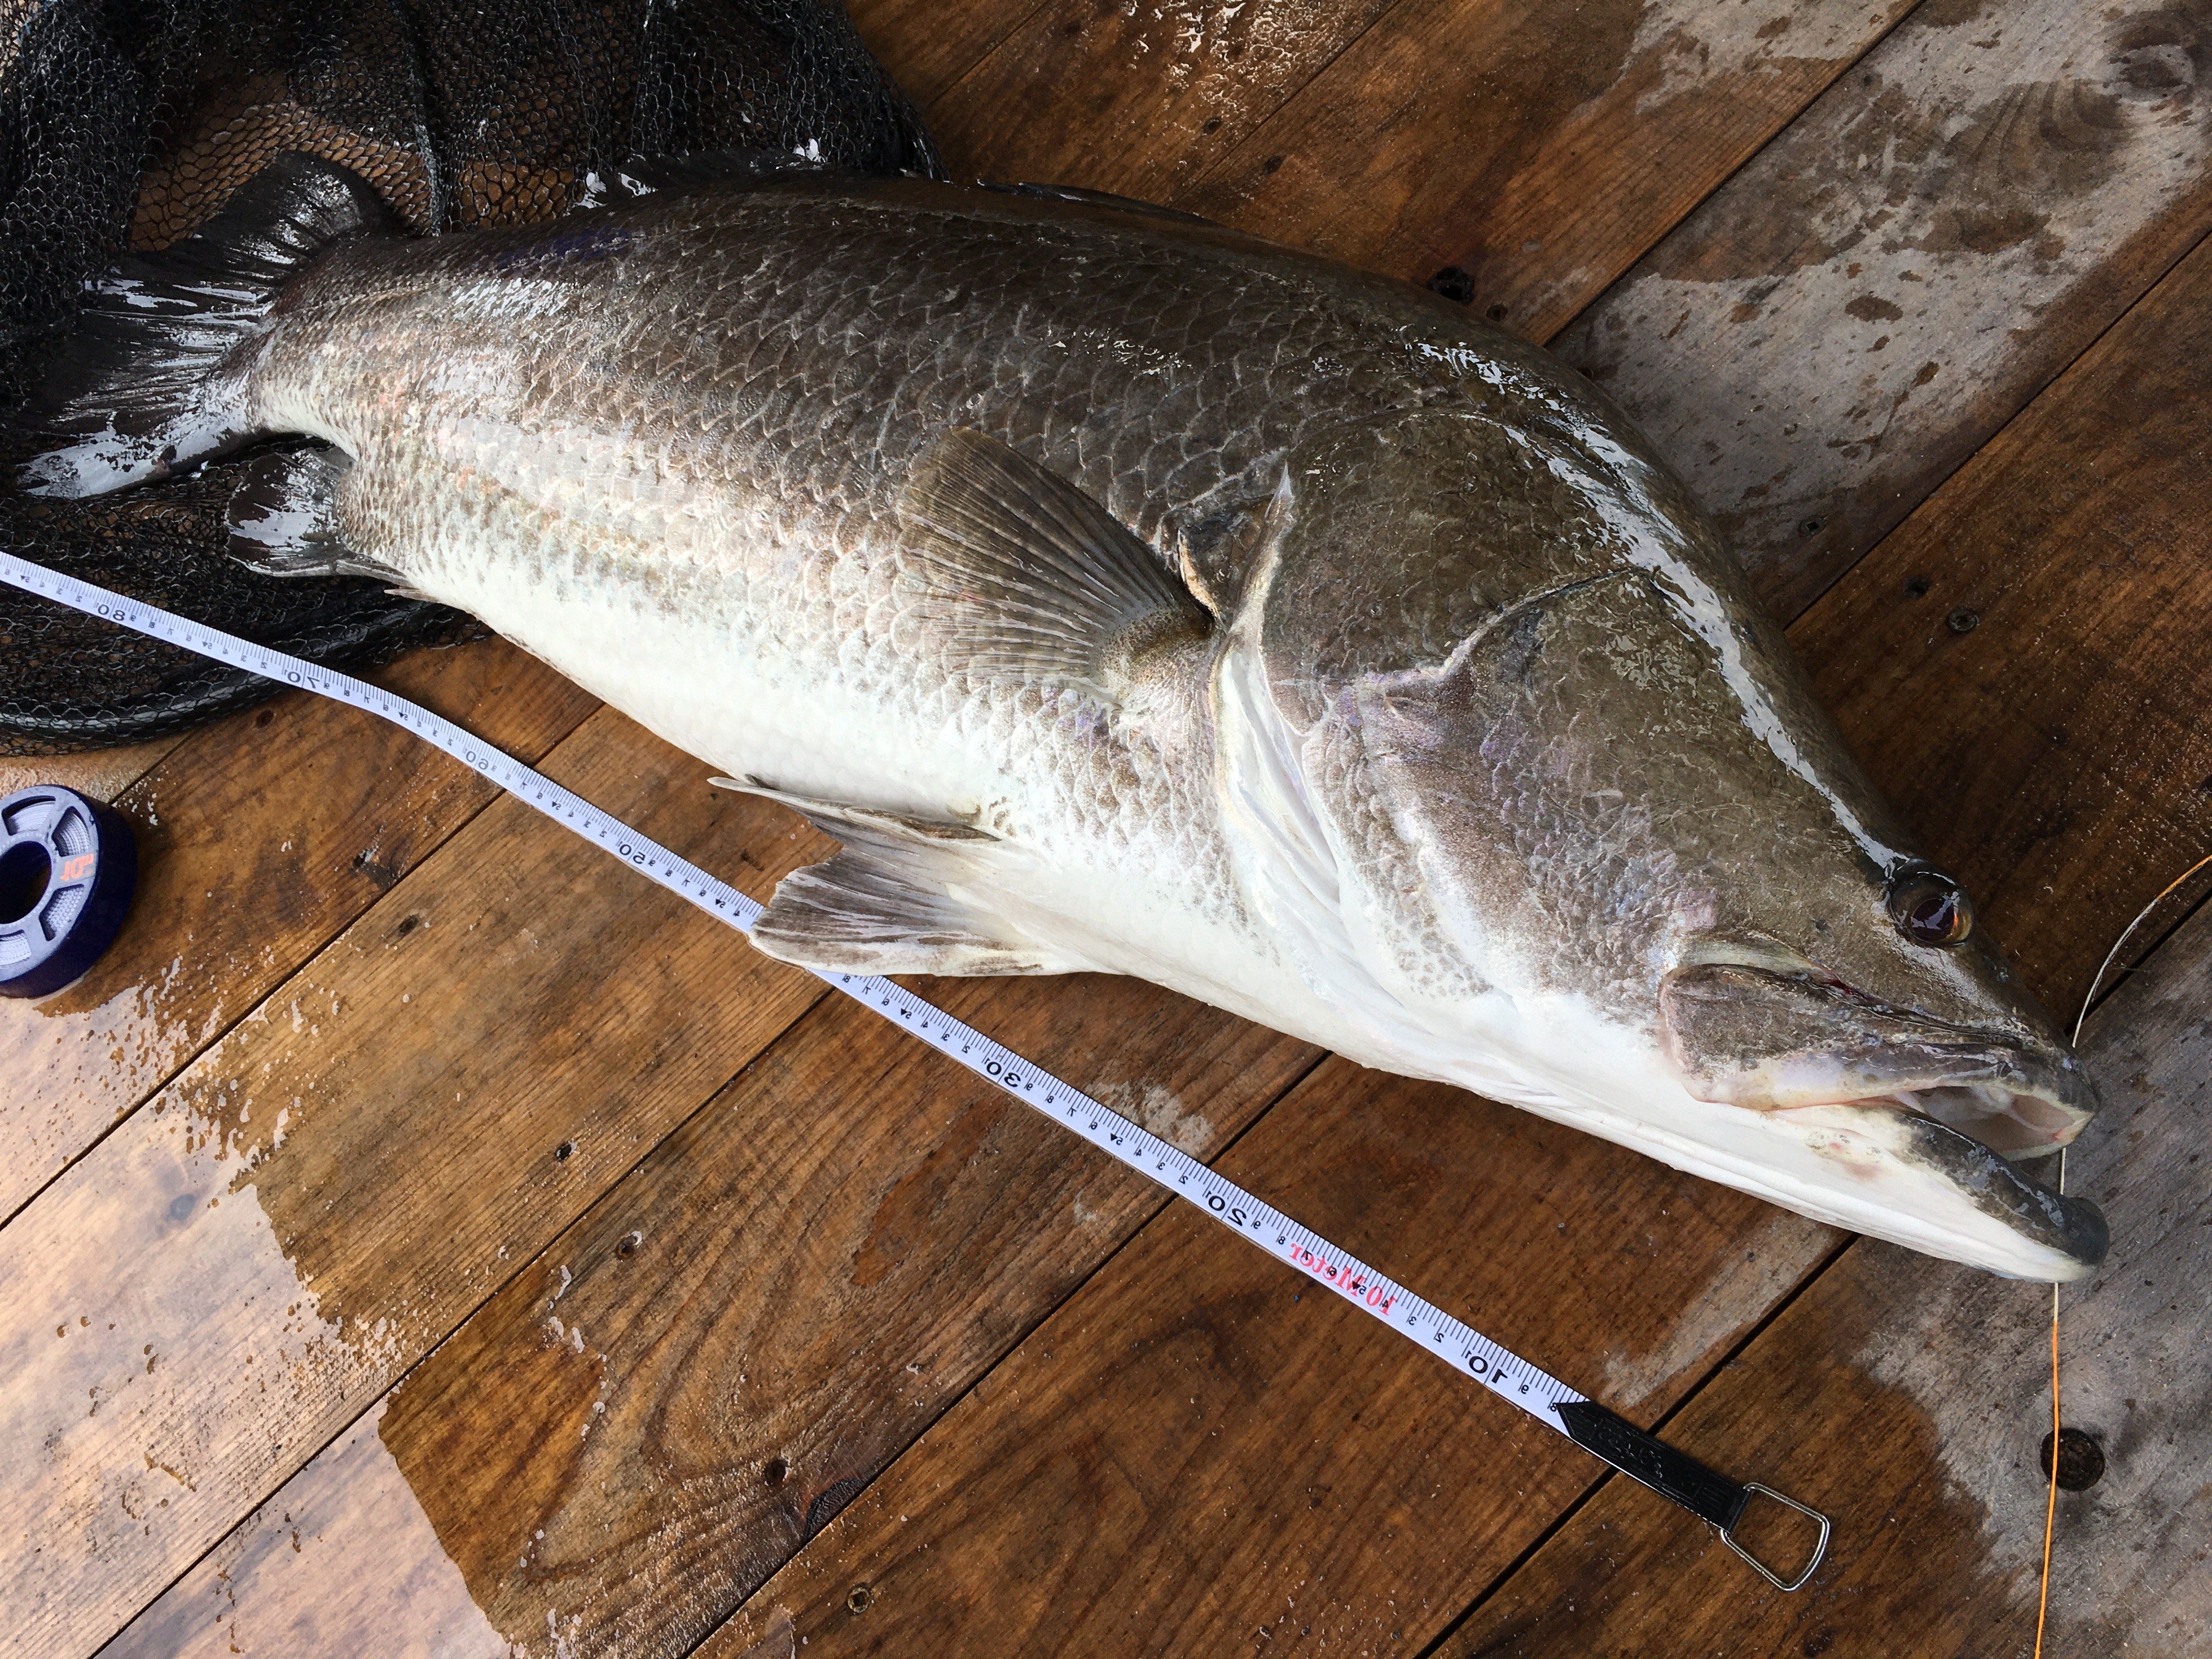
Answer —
(1672, 1474)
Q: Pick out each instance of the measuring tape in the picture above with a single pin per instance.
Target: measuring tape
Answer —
(1712, 1497)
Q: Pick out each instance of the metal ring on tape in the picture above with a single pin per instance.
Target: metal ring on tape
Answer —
(67, 865)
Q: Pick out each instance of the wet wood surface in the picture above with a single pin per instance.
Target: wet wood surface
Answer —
(1200, 1453)
(647, 1420)
(1335, 127)
(1859, 308)
(259, 839)
(806, 1320)
(1910, 1398)
(242, 1267)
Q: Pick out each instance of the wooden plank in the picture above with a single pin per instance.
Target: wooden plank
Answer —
(2076, 540)
(928, 45)
(1539, 147)
(1198, 1453)
(1266, 113)
(102, 774)
(266, 1589)
(259, 838)
(2056, 751)
(1842, 324)
(246, 1263)
(1141, 99)
(1911, 1399)
(586, 1453)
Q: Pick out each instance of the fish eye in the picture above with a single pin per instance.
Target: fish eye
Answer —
(1929, 908)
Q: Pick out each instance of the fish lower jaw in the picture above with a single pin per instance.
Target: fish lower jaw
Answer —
(1870, 1166)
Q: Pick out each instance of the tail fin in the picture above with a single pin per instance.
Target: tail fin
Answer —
(139, 390)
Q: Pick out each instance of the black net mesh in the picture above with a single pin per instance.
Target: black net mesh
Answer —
(127, 123)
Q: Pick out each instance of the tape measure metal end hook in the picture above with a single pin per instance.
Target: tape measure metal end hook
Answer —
(1680, 1478)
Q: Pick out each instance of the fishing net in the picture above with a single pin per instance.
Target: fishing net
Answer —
(125, 123)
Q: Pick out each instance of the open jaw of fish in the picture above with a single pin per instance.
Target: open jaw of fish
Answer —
(1131, 595)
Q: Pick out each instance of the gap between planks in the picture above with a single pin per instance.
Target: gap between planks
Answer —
(1447, 1639)
(531, 725)
(128, 1641)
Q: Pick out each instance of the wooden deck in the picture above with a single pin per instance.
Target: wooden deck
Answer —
(423, 1241)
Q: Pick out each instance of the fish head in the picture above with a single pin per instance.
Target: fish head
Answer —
(1579, 835)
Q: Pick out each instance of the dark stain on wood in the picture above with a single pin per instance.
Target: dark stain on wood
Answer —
(773, 1338)
(1980, 197)
(1198, 1444)
(2018, 662)
(910, 1207)
(1911, 1399)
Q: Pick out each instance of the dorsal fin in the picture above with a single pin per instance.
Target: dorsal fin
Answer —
(706, 169)
(1025, 574)
(1101, 198)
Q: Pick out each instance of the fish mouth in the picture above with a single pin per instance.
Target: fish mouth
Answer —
(1893, 1098)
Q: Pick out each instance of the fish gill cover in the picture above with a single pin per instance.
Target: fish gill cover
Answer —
(124, 124)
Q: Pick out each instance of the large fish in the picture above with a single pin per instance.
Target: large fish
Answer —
(1128, 594)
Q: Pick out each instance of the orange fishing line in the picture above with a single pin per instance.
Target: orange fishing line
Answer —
(2050, 1485)
(2051, 1490)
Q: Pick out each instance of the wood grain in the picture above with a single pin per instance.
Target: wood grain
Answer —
(1200, 1453)
(1886, 283)
(2025, 657)
(102, 774)
(1141, 99)
(278, 1585)
(1540, 147)
(1910, 1398)
(246, 1263)
(259, 838)
(928, 46)
(629, 1437)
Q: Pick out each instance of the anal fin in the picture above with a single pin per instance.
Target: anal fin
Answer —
(283, 516)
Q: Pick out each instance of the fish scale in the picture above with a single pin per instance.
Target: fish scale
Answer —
(1128, 594)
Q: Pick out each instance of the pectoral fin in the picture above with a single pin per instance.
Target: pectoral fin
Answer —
(1023, 572)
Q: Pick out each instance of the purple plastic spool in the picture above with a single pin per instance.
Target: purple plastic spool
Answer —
(67, 865)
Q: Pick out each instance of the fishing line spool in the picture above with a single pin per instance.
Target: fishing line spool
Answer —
(68, 867)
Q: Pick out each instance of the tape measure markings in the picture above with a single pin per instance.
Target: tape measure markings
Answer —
(1641, 1457)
